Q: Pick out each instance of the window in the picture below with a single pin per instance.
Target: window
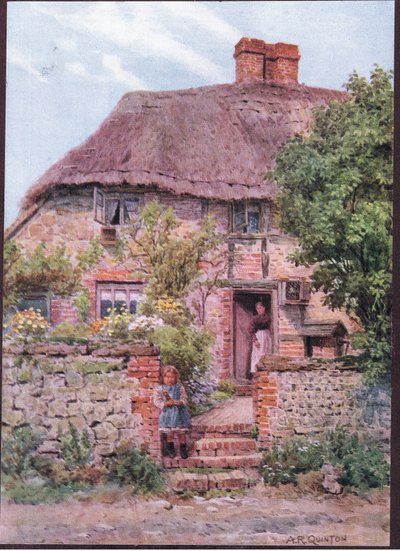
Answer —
(37, 302)
(249, 217)
(118, 296)
(115, 209)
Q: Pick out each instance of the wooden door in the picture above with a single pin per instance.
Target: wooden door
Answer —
(243, 311)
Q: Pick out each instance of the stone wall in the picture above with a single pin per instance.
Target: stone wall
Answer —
(308, 398)
(93, 386)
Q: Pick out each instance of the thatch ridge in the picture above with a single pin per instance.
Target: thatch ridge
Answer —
(212, 142)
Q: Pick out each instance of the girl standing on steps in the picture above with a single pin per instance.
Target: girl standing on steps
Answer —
(170, 397)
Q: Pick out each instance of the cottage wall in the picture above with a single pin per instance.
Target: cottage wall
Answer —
(67, 219)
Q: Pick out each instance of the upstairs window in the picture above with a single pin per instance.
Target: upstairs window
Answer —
(118, 296)
(248, 217)
(115, 209)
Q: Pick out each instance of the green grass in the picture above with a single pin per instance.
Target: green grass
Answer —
(21, 492)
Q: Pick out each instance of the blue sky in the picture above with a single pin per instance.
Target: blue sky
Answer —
(70, 62)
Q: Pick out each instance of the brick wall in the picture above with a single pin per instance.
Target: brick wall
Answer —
(306, 398)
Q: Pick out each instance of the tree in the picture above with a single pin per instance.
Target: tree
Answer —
(38, 271)
(170, 262)
(336, 199)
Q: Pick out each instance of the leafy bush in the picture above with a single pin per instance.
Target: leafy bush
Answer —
(226, 386)
(220, 396)
(362, 465)
(20, 491)
(27, 324)
(142, 327)
(133, 468)
(185, 348)
(82, 303)
(72, 332)
(115, 325)
(18, 450)
(199, 390)
(75, 448)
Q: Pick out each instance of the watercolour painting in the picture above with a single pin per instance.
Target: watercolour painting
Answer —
(197, 274)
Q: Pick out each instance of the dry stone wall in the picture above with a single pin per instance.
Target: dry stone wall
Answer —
(306, 398)
(48, 385)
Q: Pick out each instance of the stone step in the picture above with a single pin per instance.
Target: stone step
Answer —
(208, 461)
(221, 431)
(225, 446)
(181, 481)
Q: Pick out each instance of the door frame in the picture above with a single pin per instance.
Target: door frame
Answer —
(273, 293)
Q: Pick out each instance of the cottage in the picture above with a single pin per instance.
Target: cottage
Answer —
(202, 150)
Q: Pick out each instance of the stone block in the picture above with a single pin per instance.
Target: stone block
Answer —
(119, 421)
(128, 435)
(10, 375)
(57, 409)
(181, 481)
(104, 449)
(98, 393)
(13, 418)
(106, 431)
(97, 415)
(77, 420)
(73, 379)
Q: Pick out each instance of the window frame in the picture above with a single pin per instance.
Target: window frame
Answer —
(250, 205)
(107, 198)
(36, 295)
(114, 286)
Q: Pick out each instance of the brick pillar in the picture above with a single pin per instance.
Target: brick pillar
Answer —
(265, 397)
(147, 370)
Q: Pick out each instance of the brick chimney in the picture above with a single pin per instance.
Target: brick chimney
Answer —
(259, 60)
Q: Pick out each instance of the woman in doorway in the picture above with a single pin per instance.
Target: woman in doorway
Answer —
(260, 336)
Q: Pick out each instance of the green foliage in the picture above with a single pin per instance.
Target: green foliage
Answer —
(91, 256)
(362, 465)
(19, 491)
(38, 271)
(220, 396)
(82, 303)
(170, 262)
(254, 432)
(336, 199)
(75, 448)
(133, 468)
(185, 348)
(116, 324)
(226, 386)
(70, 332)
(18, 450)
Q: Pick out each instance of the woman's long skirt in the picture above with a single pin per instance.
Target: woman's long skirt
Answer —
(264, 338)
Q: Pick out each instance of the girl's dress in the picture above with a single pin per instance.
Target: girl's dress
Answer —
(174, 418)
(259, 331)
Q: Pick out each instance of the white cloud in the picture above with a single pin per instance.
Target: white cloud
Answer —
(20, 60)
(204, 17)
(114, 64)
(140, 28)
(68, 45)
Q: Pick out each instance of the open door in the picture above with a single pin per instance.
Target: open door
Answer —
(243, 311)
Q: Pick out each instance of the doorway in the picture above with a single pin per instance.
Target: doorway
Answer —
(243, 312)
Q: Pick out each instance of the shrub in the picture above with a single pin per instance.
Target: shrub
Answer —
(141, 327)
(226, 386)
(82, 303)
(115, 325)
(27, 324)
(75, 448)
(97, 326)
(133, 468)
(220, 396)
(21, 492)
(72, 332)
(18, 450)
(199, 390)
(185, 348)
(362, 465)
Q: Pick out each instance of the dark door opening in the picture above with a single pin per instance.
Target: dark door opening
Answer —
(243, 312)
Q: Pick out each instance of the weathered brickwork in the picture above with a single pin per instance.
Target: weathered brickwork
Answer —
(47, 385)
(67, 219)
(302, 398)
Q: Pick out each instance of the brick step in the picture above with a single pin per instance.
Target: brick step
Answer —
(225, 446)
(209, 461)
(244, 390)
(180, 481)
(221, 431)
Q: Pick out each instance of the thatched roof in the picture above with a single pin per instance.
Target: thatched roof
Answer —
(215, 141)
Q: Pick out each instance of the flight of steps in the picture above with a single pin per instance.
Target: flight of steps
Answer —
(216, 446)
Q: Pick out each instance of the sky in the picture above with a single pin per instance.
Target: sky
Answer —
(69, 63)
